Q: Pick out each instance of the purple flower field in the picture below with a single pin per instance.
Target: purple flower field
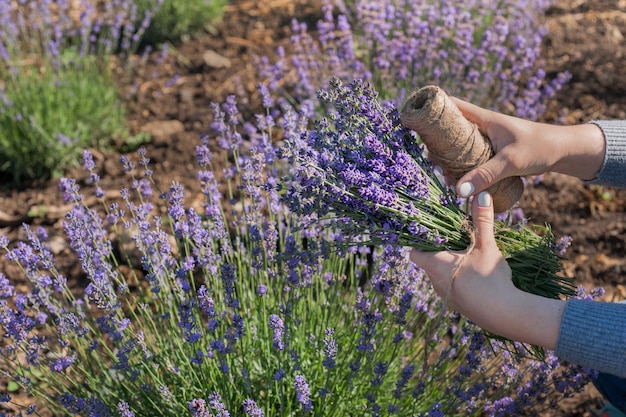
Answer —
(194, 283)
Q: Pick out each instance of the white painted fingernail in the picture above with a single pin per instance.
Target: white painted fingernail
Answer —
(466, 189)
(484, 199)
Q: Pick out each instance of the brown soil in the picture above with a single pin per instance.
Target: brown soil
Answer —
(585, 38)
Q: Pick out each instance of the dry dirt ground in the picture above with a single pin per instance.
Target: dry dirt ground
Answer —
(586, 38)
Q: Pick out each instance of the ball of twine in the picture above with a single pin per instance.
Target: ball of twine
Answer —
(455, 142)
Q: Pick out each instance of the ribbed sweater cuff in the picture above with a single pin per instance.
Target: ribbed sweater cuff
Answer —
(593, 334)
(613, 171)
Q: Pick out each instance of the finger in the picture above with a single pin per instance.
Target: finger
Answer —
(473, 113)
(432, 261)
(439, 268)
(482, 219)
(483, 177)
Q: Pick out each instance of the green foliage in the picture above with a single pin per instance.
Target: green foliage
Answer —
(57, 90)
(174, 20)
(48, 116)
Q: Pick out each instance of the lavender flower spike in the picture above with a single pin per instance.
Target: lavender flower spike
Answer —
(302, 392)
(252, 409)
(277, 325)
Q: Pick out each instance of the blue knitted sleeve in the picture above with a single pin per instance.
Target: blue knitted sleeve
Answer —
(613, 171)
(593, 334)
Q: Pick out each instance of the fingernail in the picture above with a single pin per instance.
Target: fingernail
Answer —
(466, 189)
(484, 199)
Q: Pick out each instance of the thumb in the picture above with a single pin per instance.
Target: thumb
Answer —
(483, 177)
(482, 219)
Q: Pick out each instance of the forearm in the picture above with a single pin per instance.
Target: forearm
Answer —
(581, 149)
(587, 333)
(522, 317)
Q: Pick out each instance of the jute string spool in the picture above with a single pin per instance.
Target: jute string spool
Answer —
(454, 142)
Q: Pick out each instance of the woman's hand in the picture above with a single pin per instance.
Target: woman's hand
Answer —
(477, 283)
(525, 148)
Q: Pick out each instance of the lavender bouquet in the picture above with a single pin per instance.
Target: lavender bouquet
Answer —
(362, 171)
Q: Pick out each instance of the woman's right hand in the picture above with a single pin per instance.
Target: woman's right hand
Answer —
(523, 148)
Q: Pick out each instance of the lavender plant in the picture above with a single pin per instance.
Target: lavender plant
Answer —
(174, 21)
(58, 93)
(234, 309)
(484, 51)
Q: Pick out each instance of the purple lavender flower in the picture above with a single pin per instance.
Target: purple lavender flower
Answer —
(330, 349)
(380, 370)
(404, 305)
(124, 409)
(175, 206)
(205, 301)
(70, 190)
(215, 401)
(261, 289)
(88, 161)
(225, 123)
(302, 392)
(279, 375)
(368, 331)
(166, 393)
(203, 154)
(405, 376)
(435, 411)
(228, 276)
(61, 364)
(562, 245)
(266, 98)
(89, 239)
(252, 409)
(198, 408)
(127, 164)
(502, 407)
(188, 323)
(278, 327)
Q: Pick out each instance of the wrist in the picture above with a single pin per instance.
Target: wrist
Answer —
(582, 149)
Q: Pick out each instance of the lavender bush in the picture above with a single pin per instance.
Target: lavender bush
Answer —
(174, 21)
(484, 51)
(232, 308)
(58, 93)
